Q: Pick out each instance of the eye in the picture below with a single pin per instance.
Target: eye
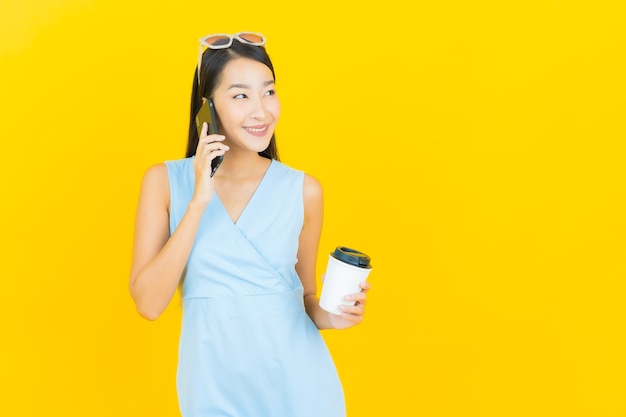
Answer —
(270, 92)
(240, 96)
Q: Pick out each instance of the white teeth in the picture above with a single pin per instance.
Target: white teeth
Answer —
(255, 130)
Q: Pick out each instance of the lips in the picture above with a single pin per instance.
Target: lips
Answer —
(257, 130)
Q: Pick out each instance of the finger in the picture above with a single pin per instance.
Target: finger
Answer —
(359, 297)
(211, 158)
(207, 140)
(358, 309)
(354, 319)
(214, 154)
(210, 149)
(354, 314)
(210, 143)
(201, 140)
(207, 152)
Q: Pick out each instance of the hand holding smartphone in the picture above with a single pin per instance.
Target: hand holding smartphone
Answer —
(207, 114)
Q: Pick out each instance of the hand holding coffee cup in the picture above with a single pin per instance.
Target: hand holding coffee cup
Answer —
(346, 270)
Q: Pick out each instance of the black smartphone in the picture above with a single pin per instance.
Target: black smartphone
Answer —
(207, 114)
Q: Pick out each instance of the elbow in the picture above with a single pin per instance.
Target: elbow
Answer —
(144, 307)
(148, 313)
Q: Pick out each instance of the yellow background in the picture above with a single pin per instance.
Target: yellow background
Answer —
(475, 149)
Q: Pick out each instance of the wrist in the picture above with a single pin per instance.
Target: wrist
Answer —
(197, 205)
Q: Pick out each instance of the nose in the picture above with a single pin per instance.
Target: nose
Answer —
(257, 110)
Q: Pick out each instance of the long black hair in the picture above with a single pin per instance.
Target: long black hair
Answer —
(213, 63)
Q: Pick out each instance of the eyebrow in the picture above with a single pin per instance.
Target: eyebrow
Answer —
(247, 86)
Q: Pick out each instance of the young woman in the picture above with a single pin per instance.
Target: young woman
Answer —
(242, 245)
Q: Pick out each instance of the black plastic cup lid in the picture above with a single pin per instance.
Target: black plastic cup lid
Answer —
(352, 257)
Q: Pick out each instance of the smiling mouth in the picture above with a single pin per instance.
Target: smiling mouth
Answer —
(256, 129)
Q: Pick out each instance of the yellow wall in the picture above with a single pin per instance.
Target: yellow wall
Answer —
(475, 149)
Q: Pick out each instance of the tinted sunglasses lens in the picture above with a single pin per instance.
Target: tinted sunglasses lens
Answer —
(251, 38)
(217, 40)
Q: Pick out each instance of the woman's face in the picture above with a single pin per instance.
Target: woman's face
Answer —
(246, 104)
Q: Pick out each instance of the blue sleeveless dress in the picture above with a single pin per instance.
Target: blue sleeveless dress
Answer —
(247, 347)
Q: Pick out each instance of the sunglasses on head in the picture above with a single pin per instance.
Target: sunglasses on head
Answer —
(223, 41)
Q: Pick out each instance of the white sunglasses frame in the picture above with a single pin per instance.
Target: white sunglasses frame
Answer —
(237, 36)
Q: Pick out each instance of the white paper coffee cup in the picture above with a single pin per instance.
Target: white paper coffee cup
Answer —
(346, 269)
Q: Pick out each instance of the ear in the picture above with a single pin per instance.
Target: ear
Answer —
(204, 100)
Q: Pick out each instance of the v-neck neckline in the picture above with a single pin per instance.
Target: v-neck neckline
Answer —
(250, 200)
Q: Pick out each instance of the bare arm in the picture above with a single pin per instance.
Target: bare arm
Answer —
(307, 258)
(158, 258)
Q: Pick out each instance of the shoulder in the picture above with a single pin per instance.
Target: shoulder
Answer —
(285, 170)
(311, 187)
(156, 174)
(155, 184)
(313, 201)
(313, 193)
(178, 165)
(173, 172)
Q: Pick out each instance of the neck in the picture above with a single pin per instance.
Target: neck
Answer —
(242, 164)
